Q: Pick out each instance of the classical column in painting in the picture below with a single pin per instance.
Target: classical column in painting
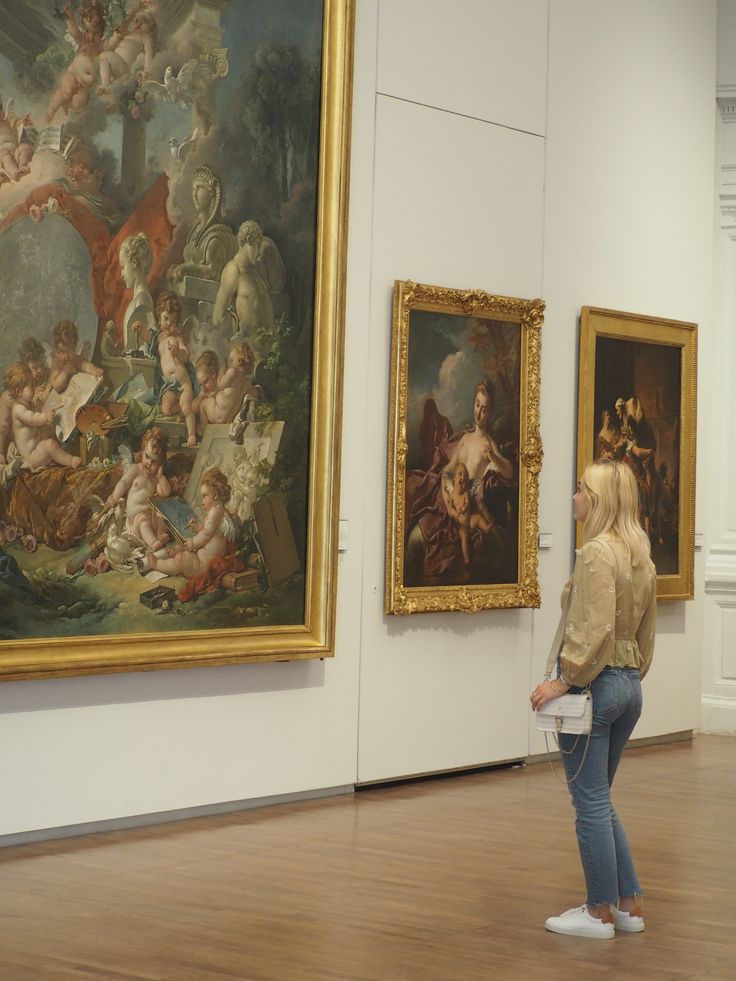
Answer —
(205, 23)
(133, 158)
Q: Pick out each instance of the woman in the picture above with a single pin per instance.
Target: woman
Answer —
(433, 548)
(477, 448)
(609, 610)
(608, 440)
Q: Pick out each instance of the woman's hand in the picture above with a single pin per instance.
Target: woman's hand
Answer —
(546, 690)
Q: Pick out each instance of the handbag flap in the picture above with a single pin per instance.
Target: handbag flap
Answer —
(570, 706)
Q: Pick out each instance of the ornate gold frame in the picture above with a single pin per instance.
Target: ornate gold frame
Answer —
(529, 314)
(599, 323)
(315, 637)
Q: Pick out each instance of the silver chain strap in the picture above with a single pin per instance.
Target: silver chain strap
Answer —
(569, 752)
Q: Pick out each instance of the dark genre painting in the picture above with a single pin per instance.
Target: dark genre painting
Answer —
(173, 187)
(464, 451)
(637, 405)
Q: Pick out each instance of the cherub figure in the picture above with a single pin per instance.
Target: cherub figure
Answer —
(207, 370)
(168, 346)
(86, 182)
(15, 155)
(223, 390)
(212, 535)
(36, 449)
(31, 352)
(465, 511)
(136, 36)
(141, 481)
(75, 84)
(6, 423)
(66, 361)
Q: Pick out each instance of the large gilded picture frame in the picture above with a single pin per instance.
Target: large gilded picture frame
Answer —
(464, 451)
(173, 225)
(637, 403)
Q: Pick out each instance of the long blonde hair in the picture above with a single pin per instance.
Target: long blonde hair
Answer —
(610, 489)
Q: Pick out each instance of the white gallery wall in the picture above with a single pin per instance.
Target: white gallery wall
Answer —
(562, 149)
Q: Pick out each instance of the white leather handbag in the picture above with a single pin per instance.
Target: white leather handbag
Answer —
(567, 713)
(571, 714)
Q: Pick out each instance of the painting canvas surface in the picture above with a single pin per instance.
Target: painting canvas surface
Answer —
(463, 438)
(160, 191)
(637, 413)
(637, 405)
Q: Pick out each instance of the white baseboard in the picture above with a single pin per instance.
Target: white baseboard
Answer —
(667, 737)
(719, 715)
(164, 817)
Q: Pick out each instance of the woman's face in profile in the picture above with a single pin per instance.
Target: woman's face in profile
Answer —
(580, 503)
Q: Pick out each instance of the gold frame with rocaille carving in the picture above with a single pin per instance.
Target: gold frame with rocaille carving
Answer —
(636, 328)
(529, 314)
(314, 638)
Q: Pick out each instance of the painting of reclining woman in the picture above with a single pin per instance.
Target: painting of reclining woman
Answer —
(466, 488)
(160, 211)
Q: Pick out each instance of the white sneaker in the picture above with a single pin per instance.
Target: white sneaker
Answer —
(627, 922)
(579, 923)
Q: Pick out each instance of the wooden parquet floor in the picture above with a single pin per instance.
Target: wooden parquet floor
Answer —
(445, 880)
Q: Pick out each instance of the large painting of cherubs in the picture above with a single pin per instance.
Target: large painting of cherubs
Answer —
(464, 451)
(637, 405)
(173, 190)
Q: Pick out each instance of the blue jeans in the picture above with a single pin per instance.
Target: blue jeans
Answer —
(604, 850)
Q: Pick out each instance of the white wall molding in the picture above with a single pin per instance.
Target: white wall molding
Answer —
(718, 710)
(726, 102)
(719, 715)
(720, 569)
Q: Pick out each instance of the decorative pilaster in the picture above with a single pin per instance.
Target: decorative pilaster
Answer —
(719, 661)
(726, 101)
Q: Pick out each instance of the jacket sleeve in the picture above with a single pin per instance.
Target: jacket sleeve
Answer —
(645, 632)
(590, 630)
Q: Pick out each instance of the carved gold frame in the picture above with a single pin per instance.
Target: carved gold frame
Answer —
(597, 323)
(314, 638)
(529, 314)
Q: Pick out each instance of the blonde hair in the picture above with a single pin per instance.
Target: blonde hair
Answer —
(156, 441)
(210, 361)
(17, 377)
(168, 301)
(65, 332)
(610, 488)
(218, 484)
(244, 355)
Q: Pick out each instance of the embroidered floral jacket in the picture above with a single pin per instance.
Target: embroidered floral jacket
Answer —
(609, 609)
